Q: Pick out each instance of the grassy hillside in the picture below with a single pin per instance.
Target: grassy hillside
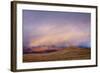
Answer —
(71, 53)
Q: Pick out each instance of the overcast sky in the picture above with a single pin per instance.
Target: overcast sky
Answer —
(56, 28)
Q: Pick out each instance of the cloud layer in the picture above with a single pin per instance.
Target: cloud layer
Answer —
(56, 28)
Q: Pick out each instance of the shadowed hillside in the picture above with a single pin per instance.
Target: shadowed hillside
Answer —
(71, 53)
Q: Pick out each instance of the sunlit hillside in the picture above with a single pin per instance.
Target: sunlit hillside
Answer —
(71, 53)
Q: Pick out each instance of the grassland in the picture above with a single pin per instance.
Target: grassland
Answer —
(71, 53)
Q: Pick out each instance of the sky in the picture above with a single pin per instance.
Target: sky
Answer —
(56, 28)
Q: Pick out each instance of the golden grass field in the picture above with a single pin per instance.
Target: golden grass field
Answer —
(71, 53)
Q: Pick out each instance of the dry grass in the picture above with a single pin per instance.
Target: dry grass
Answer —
(71, 53)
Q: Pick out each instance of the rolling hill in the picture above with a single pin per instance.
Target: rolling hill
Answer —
(71, 53)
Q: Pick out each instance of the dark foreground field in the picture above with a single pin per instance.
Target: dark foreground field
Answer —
(63, 54)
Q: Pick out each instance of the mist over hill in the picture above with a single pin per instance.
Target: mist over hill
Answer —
(49, 48)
